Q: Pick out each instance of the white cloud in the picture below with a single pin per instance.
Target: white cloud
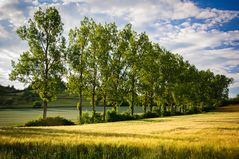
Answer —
(3, 32)
(143, 12)
(10, 12)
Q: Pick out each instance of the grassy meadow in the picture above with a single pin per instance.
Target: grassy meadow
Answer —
(207, 135)
(19, 116)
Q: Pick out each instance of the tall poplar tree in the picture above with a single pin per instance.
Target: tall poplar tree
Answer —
(41, 66)
(77, 60)
(93, 64)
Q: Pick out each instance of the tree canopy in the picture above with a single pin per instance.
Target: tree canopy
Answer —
(42, 65)
(116, 65)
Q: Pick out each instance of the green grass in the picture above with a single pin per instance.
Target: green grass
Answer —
(14, 117)
(63, 100)
(208, 135)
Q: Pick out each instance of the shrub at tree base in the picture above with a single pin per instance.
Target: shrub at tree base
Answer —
(150, 115)
(50, 121)
(112, 115)
(37, 104)
(87, 118)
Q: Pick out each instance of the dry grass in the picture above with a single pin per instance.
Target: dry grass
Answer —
(208, 135)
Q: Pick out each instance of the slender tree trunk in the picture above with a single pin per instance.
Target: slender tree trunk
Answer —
(93, 89)
(115, 108)
(104, 113)
(81, 85)
(44, 109)
(93, 104)
(164, 108)
(133, 97)
(172, 109)
(151, 101)
(80, 107)
(45, 80)
(145, 102)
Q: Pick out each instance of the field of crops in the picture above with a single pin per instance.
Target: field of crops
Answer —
(208, 135)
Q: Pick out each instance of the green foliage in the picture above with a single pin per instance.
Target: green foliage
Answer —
(115, 65)
(234, 100)
(37, 104)
(150, 114)
(123, 65)
(112, 115)
(50, 121)
(41, 66)
(86, 118)
(29, 95)
(7, 89)
(98, 118)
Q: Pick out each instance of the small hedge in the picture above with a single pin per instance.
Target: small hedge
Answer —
(112, 115)
(87, 118)
(50, 121)
(37, 104)
(150, 115)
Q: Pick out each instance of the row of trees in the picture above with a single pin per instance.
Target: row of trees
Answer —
(102, 61)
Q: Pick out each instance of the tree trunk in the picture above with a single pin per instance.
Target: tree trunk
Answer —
(44, 109)
(80, 106)
(104, 113)
(145, 103)
(151, 108)
(172, 109)
(133, 97)
(115, 107)
(164, 108)
(81, 85)
(151, 101)
(93, 105)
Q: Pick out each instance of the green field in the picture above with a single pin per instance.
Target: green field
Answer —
(207, 135)
(19, 116)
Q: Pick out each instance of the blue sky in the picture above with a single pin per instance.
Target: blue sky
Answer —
(204, 32)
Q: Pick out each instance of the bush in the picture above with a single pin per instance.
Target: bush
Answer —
(230, 101)
(179, 113)
(98, 118)
(86, 118)
(150, 115)
(8, 101)
(166, 113)
(112, 115)
(137, 117)
(50, 121)
(37, 104)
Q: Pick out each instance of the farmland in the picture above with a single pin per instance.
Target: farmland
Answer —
(207, 135)
(21, 115)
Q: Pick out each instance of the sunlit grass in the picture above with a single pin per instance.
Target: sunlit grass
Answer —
(208, 135)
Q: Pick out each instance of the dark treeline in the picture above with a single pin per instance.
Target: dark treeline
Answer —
(115, 65)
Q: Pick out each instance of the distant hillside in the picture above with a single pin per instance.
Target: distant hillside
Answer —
(14, 98)
(7, 89)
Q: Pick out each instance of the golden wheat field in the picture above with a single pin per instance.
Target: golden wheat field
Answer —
(207, 135)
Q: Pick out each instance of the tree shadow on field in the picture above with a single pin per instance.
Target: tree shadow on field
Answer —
(229, 129)
(154, 121)
(229, 108)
